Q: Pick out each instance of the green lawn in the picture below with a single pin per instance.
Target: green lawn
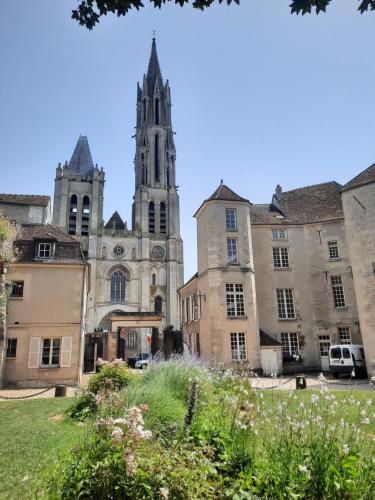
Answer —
(32, 433)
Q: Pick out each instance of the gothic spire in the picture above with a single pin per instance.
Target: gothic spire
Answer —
(153, 72)
(81, 160)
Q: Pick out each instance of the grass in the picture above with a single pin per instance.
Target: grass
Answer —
(32, 434)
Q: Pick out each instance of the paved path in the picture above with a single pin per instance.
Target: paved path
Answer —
(18, 393)
(283, 383)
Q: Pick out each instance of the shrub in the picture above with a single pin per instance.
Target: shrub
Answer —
(122, 460)
(115, 375)
(84, 406)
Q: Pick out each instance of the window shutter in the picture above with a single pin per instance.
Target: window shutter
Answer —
(66, 352)
(34, 350)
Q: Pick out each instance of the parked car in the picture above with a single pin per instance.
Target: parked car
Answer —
(143, 361)
(347, 358)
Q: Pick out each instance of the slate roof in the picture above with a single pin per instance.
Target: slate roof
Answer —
(29, 232)
(25, 199)
(267, 340)
(223, 192)
(318, 203)
(365, 177)
(115, 222)
(81, 160)
(67, 249)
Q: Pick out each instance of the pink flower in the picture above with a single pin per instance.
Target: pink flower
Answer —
(131, 467)
(117, 434)
(143, 407)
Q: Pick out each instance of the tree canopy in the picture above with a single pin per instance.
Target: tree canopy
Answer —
(89, 12)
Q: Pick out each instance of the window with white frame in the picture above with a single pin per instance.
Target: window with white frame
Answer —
(338, 291)
(324, 345)
(44, 250)
(285, 303)
(238, 346)
(50, 352)
(279, 234)
(232, 250)
(235, 299)
(290, 343)
(281, 257)
(231, 219)
(333, 250)
(344, 334)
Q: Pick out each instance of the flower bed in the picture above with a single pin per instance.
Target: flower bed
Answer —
(185, 432)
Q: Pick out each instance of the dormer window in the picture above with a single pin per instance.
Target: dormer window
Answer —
(44, 251)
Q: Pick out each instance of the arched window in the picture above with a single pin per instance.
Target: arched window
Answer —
(85, 216)
(163, 217)
(118, 286)
(73, 214)
(158, 304)
(151, 217)
(144, 110)
(153, 279)
(143, 170)
(157, 110)
(156, 155)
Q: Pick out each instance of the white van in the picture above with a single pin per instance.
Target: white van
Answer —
(347, 358)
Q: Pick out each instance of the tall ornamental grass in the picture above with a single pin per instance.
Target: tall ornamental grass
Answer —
(207, 434)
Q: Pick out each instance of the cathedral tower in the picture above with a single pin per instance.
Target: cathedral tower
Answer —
(78, 198)
(156, 210)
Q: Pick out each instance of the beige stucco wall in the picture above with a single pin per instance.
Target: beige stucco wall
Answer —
(214, 272)
(359, 211)
(309, 277)
(52, 307)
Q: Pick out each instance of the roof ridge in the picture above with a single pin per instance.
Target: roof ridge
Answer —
(352, 181)
(312, 186)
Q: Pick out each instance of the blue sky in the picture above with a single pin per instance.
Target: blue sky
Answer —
(260, 97)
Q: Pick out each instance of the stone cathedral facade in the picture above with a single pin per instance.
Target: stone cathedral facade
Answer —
(138, 267)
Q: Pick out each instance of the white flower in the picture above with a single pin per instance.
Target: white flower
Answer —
(303, 468)
(314, 399)
(345, 448)
(322, 377)
(365, 421)
(164, 493)
(369, 402)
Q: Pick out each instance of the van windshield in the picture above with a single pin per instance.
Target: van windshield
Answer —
(345, 353)
(336, 353)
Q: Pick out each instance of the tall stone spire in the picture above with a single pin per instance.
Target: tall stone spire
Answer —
(153, 72)
(155, 150)
(81, 161)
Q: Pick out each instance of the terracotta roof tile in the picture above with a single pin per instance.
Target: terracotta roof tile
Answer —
(365, 177)
(29, 232)
(318, 203)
